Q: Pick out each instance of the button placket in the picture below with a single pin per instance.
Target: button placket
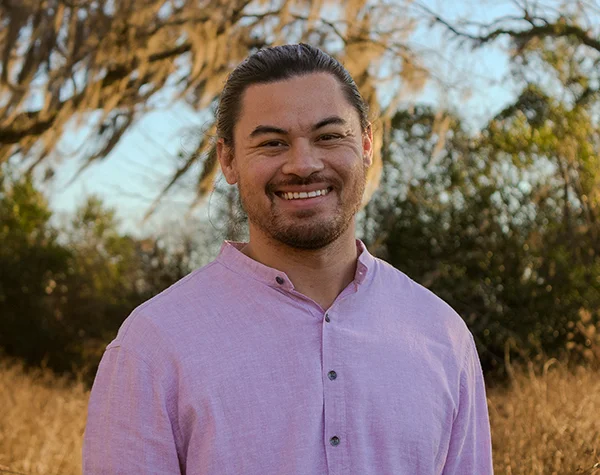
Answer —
(334, 400)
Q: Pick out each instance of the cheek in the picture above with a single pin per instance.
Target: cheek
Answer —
(256, 177)
(347, 157)
(352, 171)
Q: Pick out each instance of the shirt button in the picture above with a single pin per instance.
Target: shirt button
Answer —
(327, 319)
(332, 375)
(279, 280)
(335, 440)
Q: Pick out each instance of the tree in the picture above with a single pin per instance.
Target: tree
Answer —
(64, 294)
(111, 273)
(504, 223)
(499, 224)
(30, 258)
(106, 64)
(545, 35)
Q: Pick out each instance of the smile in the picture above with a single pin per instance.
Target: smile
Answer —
(303, 195)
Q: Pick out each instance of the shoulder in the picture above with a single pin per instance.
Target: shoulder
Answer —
(422, 309)
(151, 326)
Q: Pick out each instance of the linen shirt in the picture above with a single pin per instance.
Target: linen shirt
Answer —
(231, 371)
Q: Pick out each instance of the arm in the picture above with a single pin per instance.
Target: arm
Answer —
(128, 427)
(470, 451)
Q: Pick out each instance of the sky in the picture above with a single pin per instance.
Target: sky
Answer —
(132, 175)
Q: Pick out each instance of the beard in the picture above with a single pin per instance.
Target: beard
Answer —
(308, 229)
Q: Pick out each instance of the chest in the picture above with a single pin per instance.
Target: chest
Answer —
(327, 395)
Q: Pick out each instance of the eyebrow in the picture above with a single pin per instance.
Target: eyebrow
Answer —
(270, 129)
(267, 129)
(335, 120)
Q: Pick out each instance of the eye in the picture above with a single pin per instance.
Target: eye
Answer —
(329, 137)
(272, 144)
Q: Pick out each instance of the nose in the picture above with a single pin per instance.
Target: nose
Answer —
(302, 159)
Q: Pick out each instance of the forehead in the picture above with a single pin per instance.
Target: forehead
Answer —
(294, 104)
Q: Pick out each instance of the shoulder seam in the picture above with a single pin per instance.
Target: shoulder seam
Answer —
(471, 347)
(136, 311)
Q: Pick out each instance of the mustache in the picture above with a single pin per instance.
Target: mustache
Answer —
(300, 181)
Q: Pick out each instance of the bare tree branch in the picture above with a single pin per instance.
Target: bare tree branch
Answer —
(62, 60)
(536, 27)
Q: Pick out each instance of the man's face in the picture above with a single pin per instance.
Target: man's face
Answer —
(300, 160)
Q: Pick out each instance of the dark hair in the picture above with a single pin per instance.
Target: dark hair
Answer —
(276, 64)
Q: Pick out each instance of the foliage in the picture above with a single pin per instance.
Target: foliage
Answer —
(501, 225)
(63, 295)
(504, 223)
(109, 63)
(556, 44)
(30, 257)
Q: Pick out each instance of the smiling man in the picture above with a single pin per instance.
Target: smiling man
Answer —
(297, 352)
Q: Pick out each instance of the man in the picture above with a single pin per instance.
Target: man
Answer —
(297, 352)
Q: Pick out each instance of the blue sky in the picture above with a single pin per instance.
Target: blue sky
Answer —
(136, 170)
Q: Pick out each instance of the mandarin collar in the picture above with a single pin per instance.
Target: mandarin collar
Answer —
(231, 257)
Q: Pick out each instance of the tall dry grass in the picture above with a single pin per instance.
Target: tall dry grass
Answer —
(42, 419)
(545, 423)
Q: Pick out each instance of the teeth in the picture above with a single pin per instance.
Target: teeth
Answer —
(303, 195)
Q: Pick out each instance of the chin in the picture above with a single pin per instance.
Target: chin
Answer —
(318, 237)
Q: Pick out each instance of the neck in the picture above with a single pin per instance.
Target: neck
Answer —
(320, 274)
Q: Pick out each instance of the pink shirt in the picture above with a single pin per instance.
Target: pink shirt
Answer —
(230, 371)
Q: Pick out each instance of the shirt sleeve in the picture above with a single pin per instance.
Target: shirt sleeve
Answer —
(470, 450)
(128, 430)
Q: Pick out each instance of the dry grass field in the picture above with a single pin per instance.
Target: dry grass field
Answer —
(42, 419)
(546, 423)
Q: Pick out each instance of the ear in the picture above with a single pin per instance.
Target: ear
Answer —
(225, 156)
(367, 143)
